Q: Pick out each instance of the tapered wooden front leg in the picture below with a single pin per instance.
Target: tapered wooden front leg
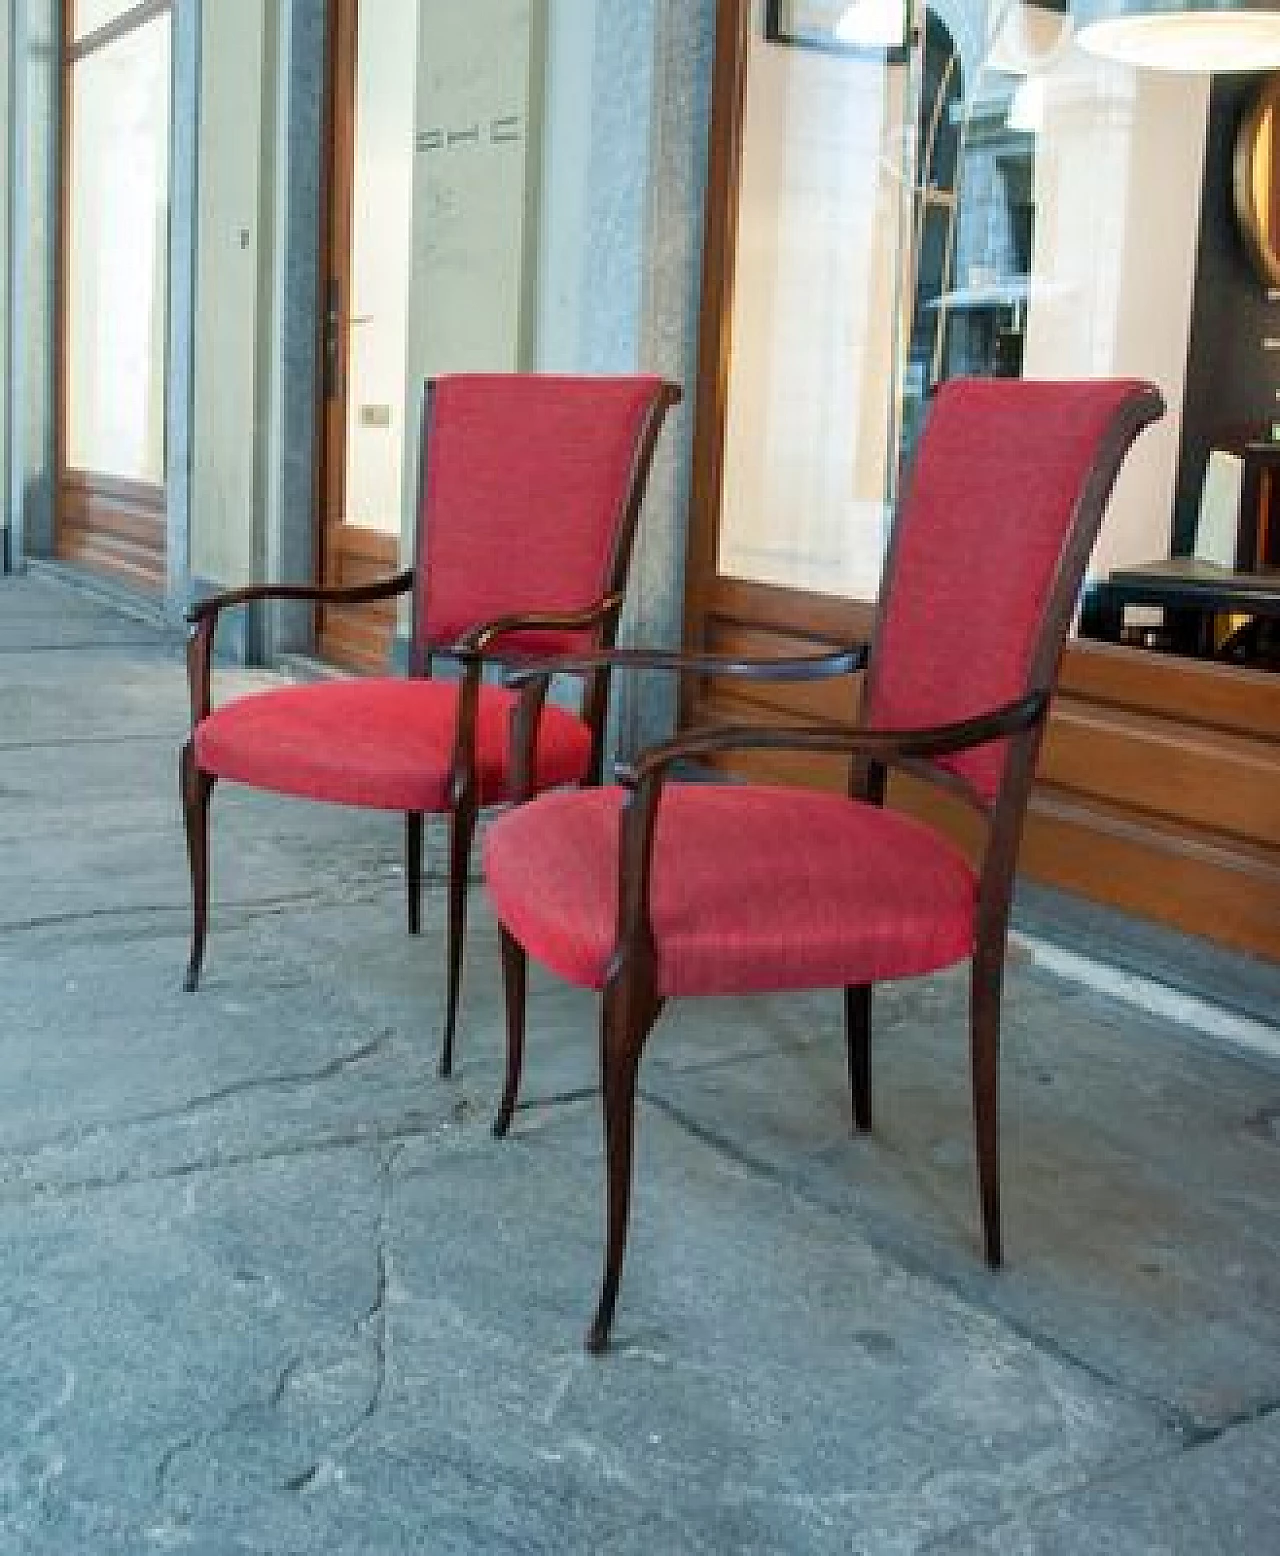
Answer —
(626, 1021)
(196, 789)
(985, 1060)
(857, 1037)
(514, 971)
(462, 831)
(413, 869)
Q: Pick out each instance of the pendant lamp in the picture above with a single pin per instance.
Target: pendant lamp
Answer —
(1192, 35)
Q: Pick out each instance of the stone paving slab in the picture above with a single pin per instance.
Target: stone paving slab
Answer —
(268, 1285)
(62, 699)
(1218, 1500)
(1142, 1220)
(244, 1350)
(36, 613)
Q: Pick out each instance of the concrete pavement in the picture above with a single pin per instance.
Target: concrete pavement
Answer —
(268, 1285)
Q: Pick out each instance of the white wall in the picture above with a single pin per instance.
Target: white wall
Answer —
(470, 191)
(1119, 173)
(225, 435)
(566, 167)
(475, 179)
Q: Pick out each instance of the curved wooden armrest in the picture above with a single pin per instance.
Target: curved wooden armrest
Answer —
(355, 594)
(472, 650)
(877, 745)
(789, 667)
(203, 616)
(534, 682)
(474, 644)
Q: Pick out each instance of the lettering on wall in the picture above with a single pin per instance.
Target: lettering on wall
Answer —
(474, 186)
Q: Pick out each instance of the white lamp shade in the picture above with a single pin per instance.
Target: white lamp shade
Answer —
(872, 24)
(1215, 35)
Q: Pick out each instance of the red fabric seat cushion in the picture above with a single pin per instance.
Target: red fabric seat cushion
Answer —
(384, 744)
(755, 889)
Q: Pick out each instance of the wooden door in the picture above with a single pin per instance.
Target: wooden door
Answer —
(355, 543)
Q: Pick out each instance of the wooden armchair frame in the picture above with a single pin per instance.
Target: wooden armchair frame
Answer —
(632, 998)
(632, 1003)
(480, 647)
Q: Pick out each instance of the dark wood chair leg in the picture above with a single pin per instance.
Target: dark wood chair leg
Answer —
(857, 1037)
(514, 970)
(986, 979)
(413, 868)
(462, 830)
(196, 789)
(626, 1021)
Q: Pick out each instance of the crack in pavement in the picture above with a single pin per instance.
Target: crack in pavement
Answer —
(73, 742)
(375, 1321)
(194, 1106)
(408, 1128)
(163, 647)
(204, 1437)
(372, 1326)
(362, 894)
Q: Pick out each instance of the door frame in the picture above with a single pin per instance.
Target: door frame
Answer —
(358, 639)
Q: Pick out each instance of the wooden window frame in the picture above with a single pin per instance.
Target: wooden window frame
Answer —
(1158, 781)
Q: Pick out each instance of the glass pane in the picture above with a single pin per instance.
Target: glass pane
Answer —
(1041, 215)
(1057, 227)
(382, 206)
(825, 186)
(90, 15)
(117, 273)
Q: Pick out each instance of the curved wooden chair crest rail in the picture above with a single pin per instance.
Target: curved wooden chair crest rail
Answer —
(653, 889)
(530, 489)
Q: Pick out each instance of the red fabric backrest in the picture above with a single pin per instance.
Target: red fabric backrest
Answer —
(987, 513)
(527, 479)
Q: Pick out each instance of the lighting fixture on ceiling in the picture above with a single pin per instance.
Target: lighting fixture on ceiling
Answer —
(872, 24)
(1026, 108)
(1189, 35)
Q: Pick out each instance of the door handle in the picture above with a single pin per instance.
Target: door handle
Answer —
(331, 342)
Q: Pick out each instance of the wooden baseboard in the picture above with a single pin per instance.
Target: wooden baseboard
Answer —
(113, 527)
(1158, 792)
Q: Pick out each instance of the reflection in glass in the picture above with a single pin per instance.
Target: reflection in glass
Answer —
(91, 15)
(1052, 213)
(811, 372)
(1056, 231)
(117, 266)
(1256, 186)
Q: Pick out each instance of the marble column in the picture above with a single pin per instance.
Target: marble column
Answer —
(33, 216)
(645, 208)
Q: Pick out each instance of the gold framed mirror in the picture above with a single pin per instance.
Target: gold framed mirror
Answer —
(1256, 181)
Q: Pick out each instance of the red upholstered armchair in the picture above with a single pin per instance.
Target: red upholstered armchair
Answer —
(530, 487)
(658, 888)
